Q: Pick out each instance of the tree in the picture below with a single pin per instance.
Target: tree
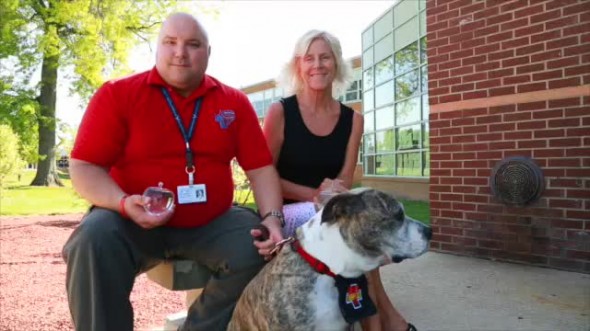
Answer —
(90, 37)
(9, 157)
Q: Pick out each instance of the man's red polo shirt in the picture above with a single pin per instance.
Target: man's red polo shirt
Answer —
(129, 129)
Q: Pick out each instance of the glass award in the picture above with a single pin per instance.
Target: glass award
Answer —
(157, 199)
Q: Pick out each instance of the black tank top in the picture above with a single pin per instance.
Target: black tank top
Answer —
(306, 159)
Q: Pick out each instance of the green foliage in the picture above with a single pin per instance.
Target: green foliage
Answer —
(10, 161)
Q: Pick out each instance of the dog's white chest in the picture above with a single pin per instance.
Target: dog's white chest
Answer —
(327, 311)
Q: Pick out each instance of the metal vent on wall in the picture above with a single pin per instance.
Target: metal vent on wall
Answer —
(517, 181)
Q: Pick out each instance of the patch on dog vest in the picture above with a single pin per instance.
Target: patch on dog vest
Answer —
(353, 298)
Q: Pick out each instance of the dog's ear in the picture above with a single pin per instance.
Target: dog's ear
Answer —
(341, 205)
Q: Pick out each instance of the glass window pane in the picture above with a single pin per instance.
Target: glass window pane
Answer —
(406, 85)
(368, 102)
(384, 118)
(369, 143)
(425, 107)
(406, 33)
(422, 16)
(369, 121)
(368, 78)
(423, 54)
(405, 10)
(351, 96)
(369, 165)
(384, 164)
(406, 58)
(384, 70)
(408, 137)
(384, 48)
(426, 135)
(383, 26)
(407, 111)
(426, 164)
(368, 38)
(409, 164)
(385, 141)
(424, 79)
(384, 94)
(368, 58)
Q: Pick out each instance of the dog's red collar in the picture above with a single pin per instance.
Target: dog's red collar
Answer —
(318, 265)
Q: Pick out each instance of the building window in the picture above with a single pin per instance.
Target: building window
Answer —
(395, 103)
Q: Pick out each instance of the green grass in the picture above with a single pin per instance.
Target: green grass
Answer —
(418, 210)
(18, 198)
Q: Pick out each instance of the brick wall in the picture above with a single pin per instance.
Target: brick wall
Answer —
(510, 78)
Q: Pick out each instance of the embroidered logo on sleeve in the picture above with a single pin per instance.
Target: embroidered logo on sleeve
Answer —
(225, 118)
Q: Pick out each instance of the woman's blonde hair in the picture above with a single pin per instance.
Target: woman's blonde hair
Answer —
(291, 81)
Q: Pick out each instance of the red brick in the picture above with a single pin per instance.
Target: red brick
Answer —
(499, 37)
(532, 144)
(576, 29)
(563, 62)
(541, 153)
(463, 70)
(515, 42)
(561, 22)
(450, 98)
(499, 19)
(563, 162)
(564, 102)
(472, 8)
(526, 50)
(566, 122)
(523, 116)
(451, 31)
(517, 61)
(563, 42)
(574, 81)
(488, 12)
(545, 16)
(582, 49)
(532, 87)
(554, 54)
(474, 77)
(585, 172)
(462, 87)
(565, 203)
(529, 30)
(532, 125)
(450, 65)
(529, 68)
(577, 70)
(576, 152)
(559, 3)
(501, 91)
(567, 142)
(545, 75)
(553, 133)
(532, 105)
(530, 10)
(475, 95)
(517, 79)
(564, 182)
(518, 135)
(545, 36)
(489, 136)
(511, 25)
(501, 73)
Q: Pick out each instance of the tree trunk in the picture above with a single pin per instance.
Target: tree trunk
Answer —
(46, 168)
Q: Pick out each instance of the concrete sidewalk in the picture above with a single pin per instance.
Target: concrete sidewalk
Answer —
(447, 292)
(443, 292)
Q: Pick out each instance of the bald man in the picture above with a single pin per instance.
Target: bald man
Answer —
(175, 129)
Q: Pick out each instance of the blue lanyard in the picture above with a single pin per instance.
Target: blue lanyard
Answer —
(190, 167)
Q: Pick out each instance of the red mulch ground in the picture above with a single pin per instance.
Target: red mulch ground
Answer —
(32, 278)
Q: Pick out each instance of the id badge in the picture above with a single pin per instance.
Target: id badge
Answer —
(192, 193)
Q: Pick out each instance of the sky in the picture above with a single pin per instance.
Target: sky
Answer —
(252, 40)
